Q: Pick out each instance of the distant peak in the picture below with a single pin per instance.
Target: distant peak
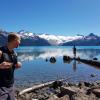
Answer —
(92, 34)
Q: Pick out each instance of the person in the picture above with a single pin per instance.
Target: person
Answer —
(74, 51)
(8, 64)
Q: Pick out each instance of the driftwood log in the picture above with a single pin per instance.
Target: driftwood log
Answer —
(35, 87)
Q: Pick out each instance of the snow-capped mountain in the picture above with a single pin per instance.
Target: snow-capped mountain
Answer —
(29, 38)
(34, 39)
(52, 39)
(56, 40)
(92, 36)
(89, 40)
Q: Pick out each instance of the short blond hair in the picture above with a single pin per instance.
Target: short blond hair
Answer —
(13, 36)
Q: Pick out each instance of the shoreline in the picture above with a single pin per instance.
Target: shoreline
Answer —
(60, 90)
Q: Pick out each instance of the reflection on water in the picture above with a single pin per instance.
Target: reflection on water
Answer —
(43, 52)
(89, 53)
(37, 66)
(74, 65)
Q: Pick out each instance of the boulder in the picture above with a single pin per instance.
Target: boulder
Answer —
(96, 92)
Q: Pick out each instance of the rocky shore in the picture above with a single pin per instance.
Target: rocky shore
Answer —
(60, 90)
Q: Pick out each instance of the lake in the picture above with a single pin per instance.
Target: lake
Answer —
(36, 67)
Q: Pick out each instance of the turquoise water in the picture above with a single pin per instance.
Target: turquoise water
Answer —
(35, 69)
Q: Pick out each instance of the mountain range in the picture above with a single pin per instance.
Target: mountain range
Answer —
(33, 39)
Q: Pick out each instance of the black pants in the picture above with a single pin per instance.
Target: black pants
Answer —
(7, 93)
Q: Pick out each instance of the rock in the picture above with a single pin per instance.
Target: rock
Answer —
(22, 97)
(66, 59)
(81, 96)
(81, 84)
(88, 84)
(66, 97)
(40, 97)
(61, 91)
(96, 92)
(93, 75)
(56, 84)
(53, 97)
(67, 90)
(95, 58)
(52, 59)
(70, 84)
(98, 83)
(28, 97)
(46, 60)
(16, 93)
(94, 84)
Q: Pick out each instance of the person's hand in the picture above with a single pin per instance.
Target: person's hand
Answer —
(18, 65)
(5, 65)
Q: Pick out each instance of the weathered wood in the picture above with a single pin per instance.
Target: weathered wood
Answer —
(41, 86)
(35, 87)
(90, 62)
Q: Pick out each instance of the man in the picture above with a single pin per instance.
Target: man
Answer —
(8, 63)
(74, 51)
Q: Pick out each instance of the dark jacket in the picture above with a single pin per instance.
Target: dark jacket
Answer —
(7, 75)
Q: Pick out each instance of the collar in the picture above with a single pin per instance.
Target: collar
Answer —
(8, 51)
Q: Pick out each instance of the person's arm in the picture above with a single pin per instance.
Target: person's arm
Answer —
(18, 65)
(5, 65)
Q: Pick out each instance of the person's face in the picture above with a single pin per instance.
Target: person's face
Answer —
(16, 43)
